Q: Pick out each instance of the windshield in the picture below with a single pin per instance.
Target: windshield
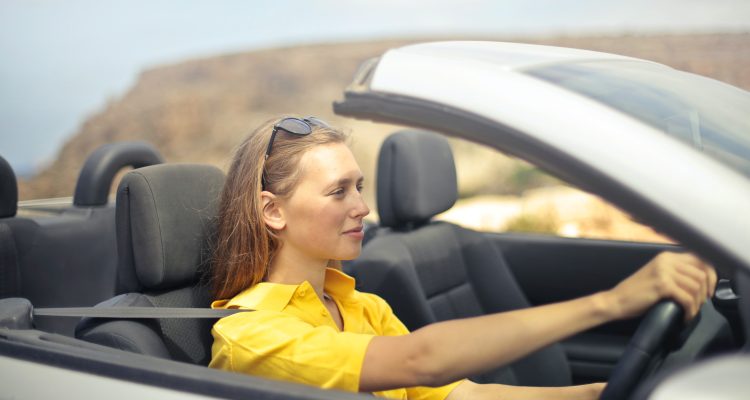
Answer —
(707, 114)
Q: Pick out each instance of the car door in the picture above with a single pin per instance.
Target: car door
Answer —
(551, 268)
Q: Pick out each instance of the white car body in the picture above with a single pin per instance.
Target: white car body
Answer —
(700, 201)
(488, 80)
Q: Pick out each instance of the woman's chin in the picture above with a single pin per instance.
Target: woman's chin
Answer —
(350, 255)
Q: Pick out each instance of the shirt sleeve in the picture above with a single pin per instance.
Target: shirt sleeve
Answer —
(431, 393)
(278, 346)
(392, 326)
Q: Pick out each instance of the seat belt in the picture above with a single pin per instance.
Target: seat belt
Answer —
(136, 312)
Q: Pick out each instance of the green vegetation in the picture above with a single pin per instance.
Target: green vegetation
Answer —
(525, 177)
(544, 222)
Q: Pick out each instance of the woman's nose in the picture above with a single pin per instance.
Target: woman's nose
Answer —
(360, 209)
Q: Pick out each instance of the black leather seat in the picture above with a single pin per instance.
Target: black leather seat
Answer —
(65, 255)
(165, 216)
(434, 271)
(10, 276)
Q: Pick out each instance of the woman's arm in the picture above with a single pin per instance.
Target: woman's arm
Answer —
(447, 351)
(468, 390)
(444, 352)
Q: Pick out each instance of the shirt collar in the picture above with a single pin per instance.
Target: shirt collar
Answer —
(338, 284)
(275, 296)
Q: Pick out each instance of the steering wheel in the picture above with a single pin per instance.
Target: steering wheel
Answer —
(646, 346)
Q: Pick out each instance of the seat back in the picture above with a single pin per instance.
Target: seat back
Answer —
(165, 218)
(66, 255)
(434, 271)
(10, 280)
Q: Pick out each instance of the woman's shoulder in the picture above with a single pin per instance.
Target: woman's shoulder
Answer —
(370, 299)
(380, 315)
(255, 324)
(373, 304)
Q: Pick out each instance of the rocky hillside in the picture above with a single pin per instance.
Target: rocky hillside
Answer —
(198, 110)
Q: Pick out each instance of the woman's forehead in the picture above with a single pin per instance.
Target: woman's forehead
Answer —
(329, 163)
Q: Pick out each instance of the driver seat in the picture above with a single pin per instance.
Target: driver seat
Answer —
(165, 216)
(430, 271)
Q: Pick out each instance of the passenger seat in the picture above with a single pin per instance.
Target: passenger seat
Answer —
(165, 216)
(432, 271)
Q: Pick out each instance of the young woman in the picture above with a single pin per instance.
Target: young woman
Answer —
(292, 207)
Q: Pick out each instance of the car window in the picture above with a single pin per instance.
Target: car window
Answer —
(708, 115)
(498, 193)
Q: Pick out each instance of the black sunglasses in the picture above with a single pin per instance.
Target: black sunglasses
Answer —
(295, 126)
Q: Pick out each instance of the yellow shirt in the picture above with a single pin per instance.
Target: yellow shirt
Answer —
(292, 337)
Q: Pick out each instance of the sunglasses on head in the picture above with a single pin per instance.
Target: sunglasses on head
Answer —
(294, 126)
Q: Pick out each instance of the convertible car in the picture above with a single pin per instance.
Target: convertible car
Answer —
(670, 148)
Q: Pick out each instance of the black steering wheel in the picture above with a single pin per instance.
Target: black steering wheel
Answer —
(647, 346)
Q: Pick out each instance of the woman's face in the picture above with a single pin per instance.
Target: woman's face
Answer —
(324, 213)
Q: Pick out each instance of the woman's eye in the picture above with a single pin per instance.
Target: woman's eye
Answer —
(342, 191)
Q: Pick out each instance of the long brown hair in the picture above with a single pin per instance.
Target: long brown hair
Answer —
(244, 246)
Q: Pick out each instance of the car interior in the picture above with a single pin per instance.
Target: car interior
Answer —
(150, 249)
(64, 256)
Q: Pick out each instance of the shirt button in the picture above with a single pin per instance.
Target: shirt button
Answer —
(324, 313)
(302, 293)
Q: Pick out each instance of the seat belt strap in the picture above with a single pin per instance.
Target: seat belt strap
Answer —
(136, 312)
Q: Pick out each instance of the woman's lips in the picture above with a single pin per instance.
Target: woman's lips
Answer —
(356, 233)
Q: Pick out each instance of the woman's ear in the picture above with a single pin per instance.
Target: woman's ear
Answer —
(273, 215)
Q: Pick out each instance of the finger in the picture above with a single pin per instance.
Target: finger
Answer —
(699, 295)
(697, 275)
(692, 286)
(711, 278)
(694, 289)
(708, 270)
(684, 299)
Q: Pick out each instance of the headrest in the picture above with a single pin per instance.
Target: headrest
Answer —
(165, 215)
(8, 190)
(416, 178)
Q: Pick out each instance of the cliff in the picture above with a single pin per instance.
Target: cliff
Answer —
(198, 110)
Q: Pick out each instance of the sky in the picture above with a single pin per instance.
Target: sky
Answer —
(62, 61)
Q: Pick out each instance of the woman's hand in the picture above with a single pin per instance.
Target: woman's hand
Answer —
(679, 276)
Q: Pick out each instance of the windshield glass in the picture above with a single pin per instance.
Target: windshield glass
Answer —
(707, 114)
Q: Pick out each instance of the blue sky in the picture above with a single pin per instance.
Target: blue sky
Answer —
(63, 60)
